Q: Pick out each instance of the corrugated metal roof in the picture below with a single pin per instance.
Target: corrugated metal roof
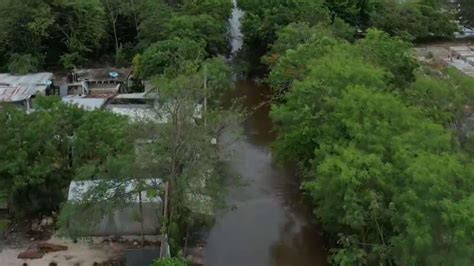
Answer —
(78, 190)
(15, 94)
(16, 88)
(85, 103)
(131, 96)
(37, 81)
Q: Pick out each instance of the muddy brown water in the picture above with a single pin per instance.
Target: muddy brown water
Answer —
(268, 223)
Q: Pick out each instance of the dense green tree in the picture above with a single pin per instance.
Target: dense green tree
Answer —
(25, 27)
(393, 54)
(200, 28)
(72, 32)
(219, 9)
(296, 34)
(263, 19)
(198, 20)
(372, 175)
(153, 16)
(41, 151)
(445, 97)
(356, 12)
(413, 20)
(290, 56)
(409, 20)
(364, 128)
(168, 56)
(81, 25)
(23, 64)
(306, 104)
(466, 12)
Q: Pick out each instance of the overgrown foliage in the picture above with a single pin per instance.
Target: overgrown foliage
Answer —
(189, 83)
(72, 33)
(41, 152)
(409, 20)
(373, 136)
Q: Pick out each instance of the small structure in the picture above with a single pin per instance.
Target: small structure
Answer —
(21, 89)
(101, 80)
(96, 81)
(17, 96)
(137, 107)
(103, 75)
(87, 103)
(38, 82)
(125, 221)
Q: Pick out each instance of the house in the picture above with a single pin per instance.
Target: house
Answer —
(19, 90)
(97, 81)
(92, 88)
(124, 221)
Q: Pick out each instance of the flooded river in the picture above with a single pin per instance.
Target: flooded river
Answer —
(268, 223)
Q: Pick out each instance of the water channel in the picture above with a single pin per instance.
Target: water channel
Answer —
(268, 224)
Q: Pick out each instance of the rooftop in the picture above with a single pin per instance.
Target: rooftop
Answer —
(136, 112)
(15, 94)
(37, 82)
(103, 74)
(85, 102)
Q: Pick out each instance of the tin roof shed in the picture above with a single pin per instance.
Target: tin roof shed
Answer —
(15, 94)
(37, 82)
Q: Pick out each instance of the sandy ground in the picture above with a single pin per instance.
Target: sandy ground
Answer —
(78, 254)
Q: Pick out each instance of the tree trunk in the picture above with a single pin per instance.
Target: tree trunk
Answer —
(116, 39)
(165, 215)
(132, 3)
(142, 218)
(185, 249)
(113, 13)
(11, 204)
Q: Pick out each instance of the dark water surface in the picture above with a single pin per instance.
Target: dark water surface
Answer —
(268, 224)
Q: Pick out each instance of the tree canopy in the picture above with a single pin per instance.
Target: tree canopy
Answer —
(373, 135)
(41, 151)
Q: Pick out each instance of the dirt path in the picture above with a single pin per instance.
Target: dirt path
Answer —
(78, 254)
